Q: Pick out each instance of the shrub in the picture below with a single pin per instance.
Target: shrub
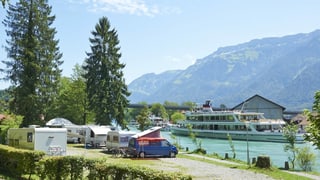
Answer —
(305, 158)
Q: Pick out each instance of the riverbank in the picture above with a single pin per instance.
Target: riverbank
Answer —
(242, 149)
(198, 166)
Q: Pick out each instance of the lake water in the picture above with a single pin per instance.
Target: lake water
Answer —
(274, 150)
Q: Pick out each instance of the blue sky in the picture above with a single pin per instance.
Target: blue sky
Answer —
(160, 35)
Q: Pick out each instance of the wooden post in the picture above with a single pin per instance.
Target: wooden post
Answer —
(254, 160)
(286, 165)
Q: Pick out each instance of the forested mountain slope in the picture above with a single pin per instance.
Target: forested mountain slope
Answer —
(285, 70)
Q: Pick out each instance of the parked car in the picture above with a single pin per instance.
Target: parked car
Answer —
(143, 147)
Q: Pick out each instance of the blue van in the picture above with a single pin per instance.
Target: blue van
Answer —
(143, 147)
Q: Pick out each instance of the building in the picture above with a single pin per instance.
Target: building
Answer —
(258, 103)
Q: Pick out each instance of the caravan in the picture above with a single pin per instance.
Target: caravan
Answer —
(53, 141)
(96, 136)
(118, 139)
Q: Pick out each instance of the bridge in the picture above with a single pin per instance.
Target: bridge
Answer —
(167, 107)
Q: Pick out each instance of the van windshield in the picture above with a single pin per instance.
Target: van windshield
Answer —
(165, 143)
(131, 143)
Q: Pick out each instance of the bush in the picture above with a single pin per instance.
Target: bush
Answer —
(200, 151)
(305, 158)
(18, 163)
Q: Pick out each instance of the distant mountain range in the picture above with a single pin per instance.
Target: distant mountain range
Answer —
(285, 70)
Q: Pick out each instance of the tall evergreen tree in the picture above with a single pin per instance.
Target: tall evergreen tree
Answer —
(106, 88)
(33, 58)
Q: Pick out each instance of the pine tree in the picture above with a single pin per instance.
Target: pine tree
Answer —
(106, 89)
(34, 58)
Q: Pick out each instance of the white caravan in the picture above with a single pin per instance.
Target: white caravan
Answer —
(53, 141)
(96, 136)
(118, 139)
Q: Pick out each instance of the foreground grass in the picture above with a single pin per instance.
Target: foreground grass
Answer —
(275, 173)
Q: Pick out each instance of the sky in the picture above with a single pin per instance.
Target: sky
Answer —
(160, 35)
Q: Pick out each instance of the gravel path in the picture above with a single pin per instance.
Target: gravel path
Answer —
(202, 170)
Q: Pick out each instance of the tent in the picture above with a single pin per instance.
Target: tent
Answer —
(62, 122)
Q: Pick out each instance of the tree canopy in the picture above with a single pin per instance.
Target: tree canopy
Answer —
(313, 128)
(34, 59)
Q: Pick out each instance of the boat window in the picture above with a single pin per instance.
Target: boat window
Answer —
(230, 118)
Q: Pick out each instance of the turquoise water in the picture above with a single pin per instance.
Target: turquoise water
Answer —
(273, 150)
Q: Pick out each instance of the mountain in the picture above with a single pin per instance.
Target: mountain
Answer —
(285, 70)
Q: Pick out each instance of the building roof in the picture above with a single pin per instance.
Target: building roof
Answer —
(239, 105)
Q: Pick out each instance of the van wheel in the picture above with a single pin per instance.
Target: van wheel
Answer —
(172, 154)
(141, 154)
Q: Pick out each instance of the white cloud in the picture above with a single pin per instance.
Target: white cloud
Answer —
(180, 62)
(133, 7)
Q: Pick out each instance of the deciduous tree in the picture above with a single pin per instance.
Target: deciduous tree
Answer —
(313, 128)
(143, 118)
(290, 132)
(72, 102)
(175, 117)
(158, 109)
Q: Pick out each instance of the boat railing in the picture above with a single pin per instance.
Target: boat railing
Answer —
(209, 112)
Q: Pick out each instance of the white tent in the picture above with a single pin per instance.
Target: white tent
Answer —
(59, 122)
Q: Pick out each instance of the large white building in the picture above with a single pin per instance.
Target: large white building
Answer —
(258, 103)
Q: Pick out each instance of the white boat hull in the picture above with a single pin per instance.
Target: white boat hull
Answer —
(238, 135)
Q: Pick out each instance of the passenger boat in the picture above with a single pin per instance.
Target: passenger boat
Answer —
(240, 125)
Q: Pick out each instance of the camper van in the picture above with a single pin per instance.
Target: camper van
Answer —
(149, 146)
(118, 139)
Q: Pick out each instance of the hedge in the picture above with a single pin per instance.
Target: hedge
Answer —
(28, 164)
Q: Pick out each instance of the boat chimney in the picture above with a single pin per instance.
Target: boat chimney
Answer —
(207, 103)
(207, 106)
